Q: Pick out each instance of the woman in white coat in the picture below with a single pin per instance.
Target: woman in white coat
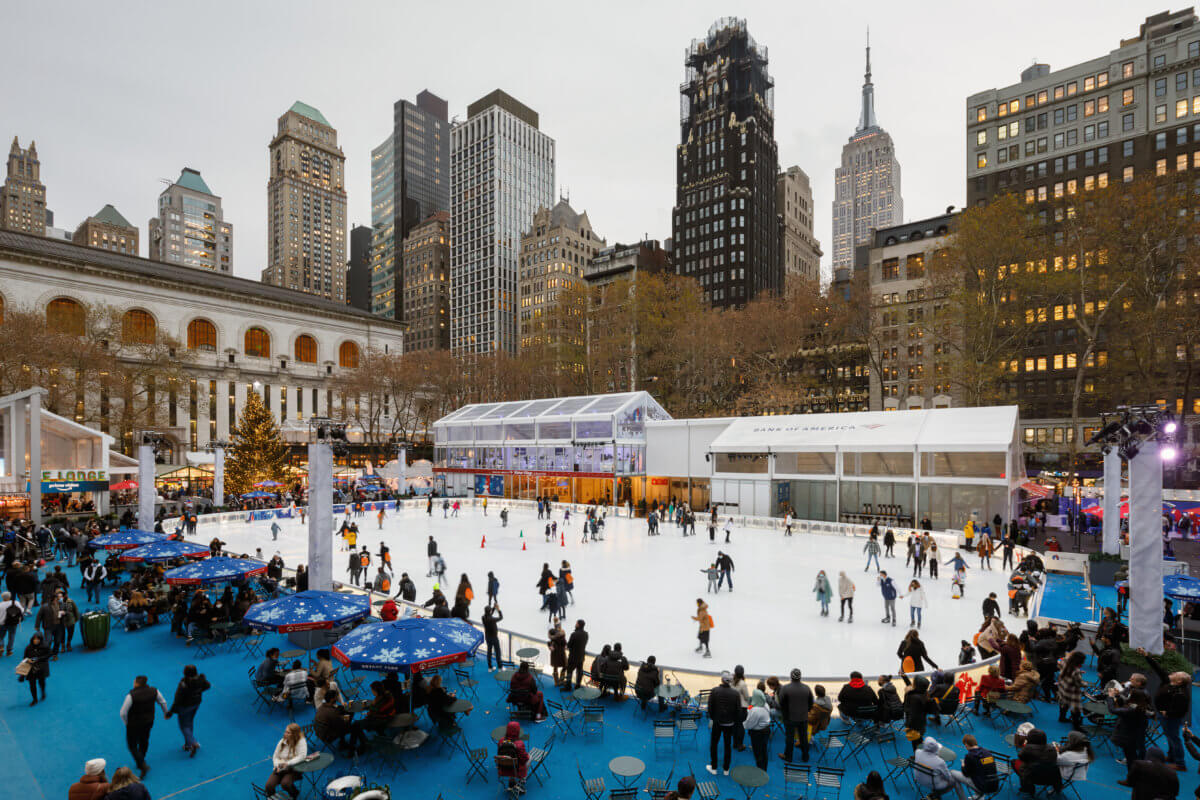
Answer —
(846, 594)
(916, 603)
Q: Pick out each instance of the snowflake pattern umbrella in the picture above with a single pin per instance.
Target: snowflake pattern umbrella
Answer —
(408, 645)
(165, 551)
(267, 484)
(307, 611)
(214, 570)
(1182, 587)
(126, 540)
(256, 495)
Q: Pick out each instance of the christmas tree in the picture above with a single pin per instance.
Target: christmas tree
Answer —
(256, 451)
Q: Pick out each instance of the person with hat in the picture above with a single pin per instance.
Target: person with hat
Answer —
(1075, 756)
(758, 727)
(724, 712)
(935, 779)
(795, 700)
(93, 784)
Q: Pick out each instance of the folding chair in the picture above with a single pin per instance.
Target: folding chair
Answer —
(928, 774)
(467, 683)
(623, 794)
(706, 789)
(450, 734)
(388, 754)
(537, 760)
(700, 701)
(593, 788)
(204, 645)
(688, 722)
(263, 699)
(834, 740)
(962, 718)
(887, 736)
(593, 720)
(259, 792)
(561, 716)
(519, 713)
(475, 760)
(828, 779)
(898, 768)
(253, 645)
(513, 787)
(657, 787)
(1068, 782)
(664, 734)
(796, 775)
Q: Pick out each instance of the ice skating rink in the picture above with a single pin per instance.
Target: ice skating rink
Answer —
(641, 591)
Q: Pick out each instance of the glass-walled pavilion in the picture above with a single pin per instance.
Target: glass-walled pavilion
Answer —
(571, 449)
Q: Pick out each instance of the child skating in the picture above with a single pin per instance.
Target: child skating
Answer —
(705, 621)
(711, 573)
(824, 592)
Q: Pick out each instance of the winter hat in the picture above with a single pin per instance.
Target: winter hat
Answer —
(758, 699)
(1024, 728)
(1075, 739)
(930, 745)
(95, 767)
(726, 676)
(796, 674)
(512, 730)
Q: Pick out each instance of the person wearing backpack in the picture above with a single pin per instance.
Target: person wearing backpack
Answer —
(11, 614)
(706, 625)
(355, 568)
(511, 747)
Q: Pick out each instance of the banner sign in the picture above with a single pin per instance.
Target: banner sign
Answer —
(65, 487)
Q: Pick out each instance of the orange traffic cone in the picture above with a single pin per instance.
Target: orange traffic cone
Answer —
(483, 542)
(563, 541)
(522, 547)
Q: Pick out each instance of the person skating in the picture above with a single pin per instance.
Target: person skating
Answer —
(871, 548)
(846, 594)
(787, 524)
(728, 530)
(889, 543)
(912, 550)
(544, 584)
(823, 591)
(888, 589)
(566, 586)
(274, 531)
(932, 560)
(984, 549)
(705, 621)
(711, 573)
(493, 588)
(991, 608)
(725, 567)
(912, 653)
(137, 712)
(431, 550)
(916, 603)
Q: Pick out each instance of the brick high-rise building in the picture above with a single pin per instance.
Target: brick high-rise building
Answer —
(107, 230)
(725, 230)
(306, 203)
(23, 202)
(798, 245)
(502, 171)
(190, 229)
(555, 251)
(426, 263)
(410, 182)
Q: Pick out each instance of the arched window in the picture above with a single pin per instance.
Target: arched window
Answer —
(64, 315)
(202, 335)
(138, 327)
(257, 343)
(348, 355)
(306, 349)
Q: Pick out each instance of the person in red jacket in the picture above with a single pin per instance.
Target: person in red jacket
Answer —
(93, 785)
(989, 683)
(513, 747)
(388, 612)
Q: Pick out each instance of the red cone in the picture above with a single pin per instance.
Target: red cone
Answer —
(522, 547)
(483, 542)
(563, 541)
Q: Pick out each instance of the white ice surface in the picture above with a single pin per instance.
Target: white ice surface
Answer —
(641, 591)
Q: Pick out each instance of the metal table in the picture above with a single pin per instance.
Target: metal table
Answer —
(669, 691)
(948, 755)
(749, 777)
(292, 655)
(498, 734)
(586, 694)
(460, 706)
(528, 654)
(626, 769)
(312, 768)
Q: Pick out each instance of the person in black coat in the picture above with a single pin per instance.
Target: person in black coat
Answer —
(38, 653)
(918, 707)
(991, 608)
(889, 543)
(724, 712)
(645, 686)
(1152, 779)
(188, 694)
(795, 701)
(576, 653)
(912, 647)
(856, 698)
(1132, 708)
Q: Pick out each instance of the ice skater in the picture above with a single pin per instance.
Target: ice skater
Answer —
(275, 531)
(933, 560)
(912, 549)
(889, 543)
(725, 565)
(871, 548)
(846, 594)
(728, 529)
(566, 517)
(431, 550)
(439, 568)
(711, 573)
(504, 518)
(787, 524)
(547, 529)
(920, 554)
(916, 603)
(379, 517)
(888, 589)
(545, 584)
(355, 568)
(705, 621)
(824, 592)
(493, 589)
(566, 581)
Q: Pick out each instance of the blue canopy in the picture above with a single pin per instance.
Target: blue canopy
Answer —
(165, 551)
(124, 540)
(257, 495)
(267, 484)
(308, 610)
(408, 645)
(214, 570)
(1182, 587)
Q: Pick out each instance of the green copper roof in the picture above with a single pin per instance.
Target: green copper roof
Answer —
(110, 215)
(305, 110)
(190, 179)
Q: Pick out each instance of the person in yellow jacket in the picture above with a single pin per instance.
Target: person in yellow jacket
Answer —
(706, 624)
(969, 533)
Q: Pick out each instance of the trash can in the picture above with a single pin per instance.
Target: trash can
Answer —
(94, 627)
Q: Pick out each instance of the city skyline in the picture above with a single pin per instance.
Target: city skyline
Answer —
(623, 174)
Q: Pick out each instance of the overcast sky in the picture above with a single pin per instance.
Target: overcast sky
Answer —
(120, 94)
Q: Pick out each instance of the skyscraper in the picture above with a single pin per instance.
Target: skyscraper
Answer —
(358, 268)
(107, 229)
(426, 265)
(502, 171)
(725, 229)
(866, 185)
(23, 203)
(410, 181)
(798, 245)
(306, 199)
(190, 229)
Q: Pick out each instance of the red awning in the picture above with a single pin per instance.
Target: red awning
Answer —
(1037, 489)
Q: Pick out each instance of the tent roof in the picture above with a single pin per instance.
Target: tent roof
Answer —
(989, 428)
(555, 407)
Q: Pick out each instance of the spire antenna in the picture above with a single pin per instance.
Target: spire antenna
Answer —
(867, 119)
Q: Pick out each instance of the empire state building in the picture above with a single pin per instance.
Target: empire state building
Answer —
(866, 185)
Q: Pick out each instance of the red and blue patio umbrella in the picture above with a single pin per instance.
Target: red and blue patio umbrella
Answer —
(221, 569)
(165, 551)
(307, 611)
(409, 645)
(126, 540)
